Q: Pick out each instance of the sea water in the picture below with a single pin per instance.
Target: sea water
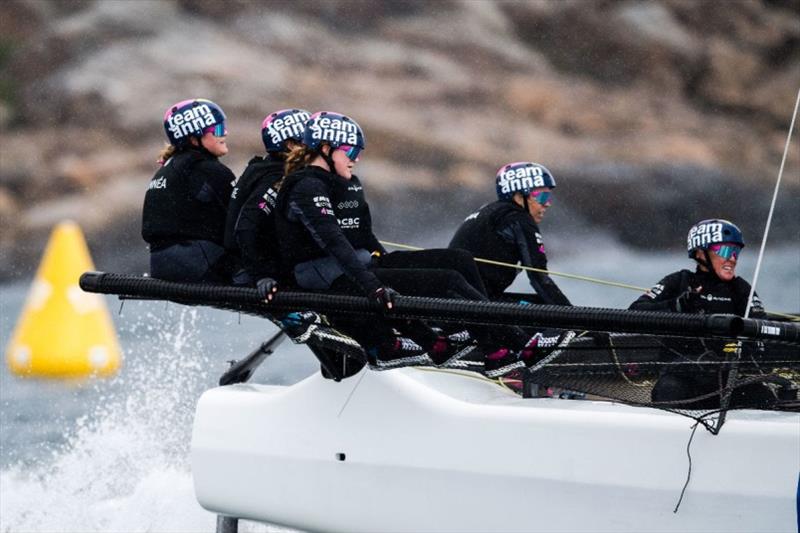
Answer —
(113, 455)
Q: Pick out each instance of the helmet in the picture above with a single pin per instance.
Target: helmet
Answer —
(190, 118)
(333, 128)
(282, 125)
(712, 231)
(522, 177)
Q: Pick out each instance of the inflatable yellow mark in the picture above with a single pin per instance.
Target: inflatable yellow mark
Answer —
(63, 332)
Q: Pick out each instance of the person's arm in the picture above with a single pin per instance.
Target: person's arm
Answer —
(309, 203)
(217, 182)
(663, 296)
(532, 254)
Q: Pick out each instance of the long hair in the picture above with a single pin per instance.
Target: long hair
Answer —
(166, 152)
(300, 157)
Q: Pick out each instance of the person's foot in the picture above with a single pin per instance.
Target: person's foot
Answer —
(398, 352)
(544, 343)
(445, 352)
(301, 324)
(502, 362)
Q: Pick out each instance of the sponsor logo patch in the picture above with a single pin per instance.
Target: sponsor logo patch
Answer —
(160, 183)
(349, 222)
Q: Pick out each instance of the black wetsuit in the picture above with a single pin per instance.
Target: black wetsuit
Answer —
(503, 231)
(250, 232)
(687, 381)
(183, 218)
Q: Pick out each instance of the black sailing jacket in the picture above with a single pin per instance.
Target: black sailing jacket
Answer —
(186, 200)
(717, 296)
(503, 231)
(321, 215)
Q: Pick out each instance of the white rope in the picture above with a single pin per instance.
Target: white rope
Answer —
(771, 210)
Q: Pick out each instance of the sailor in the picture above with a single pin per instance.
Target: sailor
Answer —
(250, 231)
(183, 219)
(508, 231)
(713, 287)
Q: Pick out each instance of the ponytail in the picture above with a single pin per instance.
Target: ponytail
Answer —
(166, 152)
(299, 157)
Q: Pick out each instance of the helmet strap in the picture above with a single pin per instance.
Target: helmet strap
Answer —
(328, 158)
(705, 262)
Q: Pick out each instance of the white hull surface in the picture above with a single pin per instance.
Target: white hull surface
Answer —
(420, 450)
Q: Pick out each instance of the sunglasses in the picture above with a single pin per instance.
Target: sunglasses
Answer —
(726, 251)
(218, 130)
(352, 152)
(544, 198)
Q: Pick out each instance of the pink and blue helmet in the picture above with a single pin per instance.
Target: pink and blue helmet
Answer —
(335, 129)
(522, 177)
(193, 118)
(280, 126)
(707, 233)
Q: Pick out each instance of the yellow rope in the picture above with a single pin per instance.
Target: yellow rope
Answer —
(533, 269)
(795, 318)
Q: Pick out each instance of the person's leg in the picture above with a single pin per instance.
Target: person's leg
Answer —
(187, 261)
(459, 261)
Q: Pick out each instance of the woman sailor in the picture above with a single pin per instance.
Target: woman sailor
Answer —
(250, 228)
(713, 287)
(183, 219)
(508, 231)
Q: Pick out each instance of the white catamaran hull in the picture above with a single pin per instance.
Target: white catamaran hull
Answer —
(420, 450)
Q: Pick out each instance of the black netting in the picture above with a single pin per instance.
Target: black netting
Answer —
(700, 378)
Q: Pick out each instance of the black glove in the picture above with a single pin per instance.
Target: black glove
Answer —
(384, 296)
(375, 259)
(266, 288)
(689, 301)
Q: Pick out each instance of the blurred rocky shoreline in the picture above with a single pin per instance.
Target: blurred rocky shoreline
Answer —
(651, 115)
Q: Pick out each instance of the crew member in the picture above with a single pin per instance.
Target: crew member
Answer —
(713, 287)
(508, 231)
(183, 219)
(250, 232)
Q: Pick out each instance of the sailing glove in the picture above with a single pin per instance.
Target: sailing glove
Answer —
(384, 296)
(689, 301)
(266, 288)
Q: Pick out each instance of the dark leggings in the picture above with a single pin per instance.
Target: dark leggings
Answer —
(191, 261)
(429, 282)
(469, 286)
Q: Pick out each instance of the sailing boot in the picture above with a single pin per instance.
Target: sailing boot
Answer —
(502, 362)
(397, 352)
(300, 325)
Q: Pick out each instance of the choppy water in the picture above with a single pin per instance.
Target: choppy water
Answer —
(113, 455)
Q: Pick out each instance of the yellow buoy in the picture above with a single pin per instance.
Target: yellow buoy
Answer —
(62, 331)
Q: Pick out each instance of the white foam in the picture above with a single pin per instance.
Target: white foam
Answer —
(125, 466)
